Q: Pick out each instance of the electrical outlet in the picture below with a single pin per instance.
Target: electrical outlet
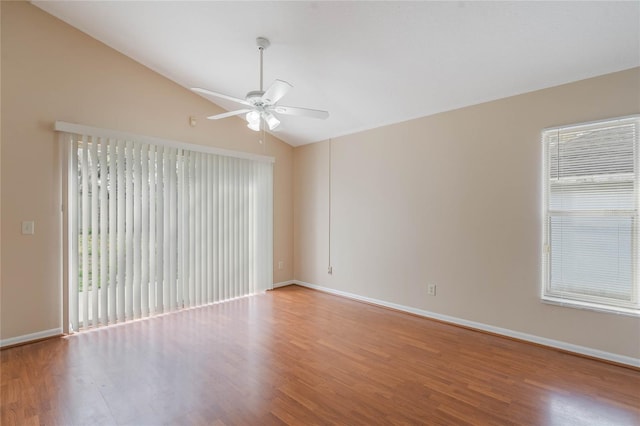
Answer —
(431, 289)
(281, 264)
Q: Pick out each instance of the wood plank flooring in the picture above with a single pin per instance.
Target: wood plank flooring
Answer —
(300, 357)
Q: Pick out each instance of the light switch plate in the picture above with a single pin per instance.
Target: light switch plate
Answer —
(28, 227)
(431, 289)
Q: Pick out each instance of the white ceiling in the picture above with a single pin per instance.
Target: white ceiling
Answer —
(367, 63)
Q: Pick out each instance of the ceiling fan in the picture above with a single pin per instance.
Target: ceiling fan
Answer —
(260, 105)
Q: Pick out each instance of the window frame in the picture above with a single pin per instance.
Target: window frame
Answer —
(578, 300)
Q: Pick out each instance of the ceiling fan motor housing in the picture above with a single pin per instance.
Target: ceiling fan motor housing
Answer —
(255, 98)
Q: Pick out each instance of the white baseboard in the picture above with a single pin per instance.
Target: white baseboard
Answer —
(569, 347)
(30, 337)
(284, 283)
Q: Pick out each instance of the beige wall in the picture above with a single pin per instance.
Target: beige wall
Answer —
(454, 199)
(51, 71)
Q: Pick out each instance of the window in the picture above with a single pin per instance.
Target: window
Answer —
(155, 226)
(591, 197)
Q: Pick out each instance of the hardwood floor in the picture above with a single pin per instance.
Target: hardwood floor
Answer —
(297, 356)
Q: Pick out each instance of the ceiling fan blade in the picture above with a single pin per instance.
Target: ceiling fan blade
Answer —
(302, 112)
(220, 95)
(228, 114)
(276, 91)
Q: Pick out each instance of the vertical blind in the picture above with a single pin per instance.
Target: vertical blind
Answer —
(156, 228)
(592, 195)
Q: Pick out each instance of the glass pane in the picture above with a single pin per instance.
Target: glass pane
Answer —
(611, 195)
(592, 256)
(592, 150)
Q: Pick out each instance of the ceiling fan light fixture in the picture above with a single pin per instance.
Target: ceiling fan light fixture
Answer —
(253, 117)
(254, 125)
(253, 120)
(271, 120)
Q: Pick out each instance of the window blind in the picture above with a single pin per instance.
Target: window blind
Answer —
(154, 227)
(591, 199)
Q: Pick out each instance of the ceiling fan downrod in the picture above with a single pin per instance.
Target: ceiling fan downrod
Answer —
(262, 43)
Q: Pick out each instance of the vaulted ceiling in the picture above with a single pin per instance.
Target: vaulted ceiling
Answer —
(367, 63)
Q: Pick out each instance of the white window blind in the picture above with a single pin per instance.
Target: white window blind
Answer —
(591, 201)
(154, 227)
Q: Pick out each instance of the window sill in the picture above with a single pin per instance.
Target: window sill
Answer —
(590, 306)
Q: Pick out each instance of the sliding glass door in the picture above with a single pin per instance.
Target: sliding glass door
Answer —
(155, 228)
